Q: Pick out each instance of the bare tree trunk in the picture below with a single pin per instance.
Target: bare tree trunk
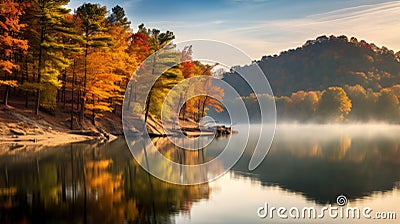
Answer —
(204, 106)
(5, 100)
(40, 64)
(73, 96)
(27, 79)
(84, 84)
(150, 93)
(26, 99)
(93, 112)
(37, 102)
(79, 102)
(198, 110)
(63, 94)
(147, 106)
(131, 86)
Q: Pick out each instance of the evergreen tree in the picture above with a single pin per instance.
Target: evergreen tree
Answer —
(92, 27)
(118, 18)
(49, 19)
(123, 61)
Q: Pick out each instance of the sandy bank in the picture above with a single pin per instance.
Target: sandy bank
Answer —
(48, 138)
(21, 129)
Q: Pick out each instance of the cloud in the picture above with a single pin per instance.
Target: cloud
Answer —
(375, 23)
(129, 3)
(378, 23)
(217, 22)
(248, 1)
(357, 11)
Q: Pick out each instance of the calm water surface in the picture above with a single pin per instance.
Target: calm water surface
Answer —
(306, 166)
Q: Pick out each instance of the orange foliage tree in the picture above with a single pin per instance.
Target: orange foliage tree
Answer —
(101, 84)
(11, 42)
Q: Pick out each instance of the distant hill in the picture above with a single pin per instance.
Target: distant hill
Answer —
(324, 62)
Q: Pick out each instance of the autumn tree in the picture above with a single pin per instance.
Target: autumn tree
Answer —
(388, 107)
(206, 93)
(304, 104)
(157, 41)
(210, 89)
(48, 26)
(92, 27)
(334, 104)
(102, 83)
(168, 80)
(188, 69)
(139, 50)
(124, 61)
(11, 42)
(284, 107)
(198, 105)
(212, 92)
(139, 45)
(361, 104)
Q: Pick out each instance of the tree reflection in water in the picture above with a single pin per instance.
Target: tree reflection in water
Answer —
(87, 183)
(92, 183)
(322, 165)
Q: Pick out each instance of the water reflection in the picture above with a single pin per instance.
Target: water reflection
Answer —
(322, 166)
(87, 183)
(181, 170)
(102, 183)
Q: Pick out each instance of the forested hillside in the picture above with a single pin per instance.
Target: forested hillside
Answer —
(76, 64)
(325, 62)
(329, 79)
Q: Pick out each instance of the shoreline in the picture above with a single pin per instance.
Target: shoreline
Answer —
(45, 139)
(19, 127)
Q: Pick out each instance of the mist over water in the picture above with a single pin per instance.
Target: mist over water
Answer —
(328, 130)
(331, 130)
(315, 151)
(308, 165)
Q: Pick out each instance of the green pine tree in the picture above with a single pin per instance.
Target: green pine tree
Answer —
(46, 43)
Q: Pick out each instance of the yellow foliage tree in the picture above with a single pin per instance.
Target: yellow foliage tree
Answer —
(334, 104)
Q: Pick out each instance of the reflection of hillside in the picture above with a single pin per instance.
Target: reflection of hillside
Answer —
(155, 155)
(323, 168)
(84, 183)
(179, 155)
(333, 149)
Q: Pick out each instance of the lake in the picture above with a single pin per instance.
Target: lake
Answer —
(307, 166)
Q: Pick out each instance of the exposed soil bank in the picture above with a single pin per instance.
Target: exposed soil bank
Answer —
(23, 128)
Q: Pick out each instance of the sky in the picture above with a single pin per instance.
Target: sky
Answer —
(266, 27)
